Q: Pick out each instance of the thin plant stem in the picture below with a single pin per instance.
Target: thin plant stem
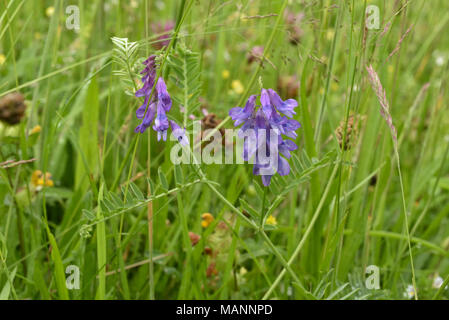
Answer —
(306, 234)
(404, 206)
(262, 212)
(150, 204)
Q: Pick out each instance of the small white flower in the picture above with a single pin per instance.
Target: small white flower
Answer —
(439, 61)
(409, 292)
(437, 282)
(227, 56)
(160, 5)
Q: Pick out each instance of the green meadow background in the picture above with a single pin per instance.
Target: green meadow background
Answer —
(113, 206)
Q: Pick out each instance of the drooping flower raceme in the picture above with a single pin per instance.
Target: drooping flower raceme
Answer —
(149, 76)
(263, 132)
(156, 105)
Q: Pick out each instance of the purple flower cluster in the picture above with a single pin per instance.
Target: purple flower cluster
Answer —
(159, 104)
(264, 127)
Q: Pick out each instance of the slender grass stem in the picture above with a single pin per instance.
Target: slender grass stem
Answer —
(404, 207)
(262, 212)
(305, 236)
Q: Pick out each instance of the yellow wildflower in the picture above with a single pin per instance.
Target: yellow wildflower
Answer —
(243, 271)
(36, 129)
(237, 86)
(2, 59)
(225, 74)
(50, 11)
(271, 220)
(39, 181)
(207, 219)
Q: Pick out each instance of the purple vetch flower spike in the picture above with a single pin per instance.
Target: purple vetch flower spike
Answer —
(156, 104)
(149, 76)
(263, 130)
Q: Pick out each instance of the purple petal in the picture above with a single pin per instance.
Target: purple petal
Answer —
(179, 133)
(286, 107)
(161, 121)
(266, 103)
(149, 116)
(234, 112)
(163, 95)
(261, 123)
(140, 112)
(283, 167)
(250, 104)
(275, 99)
(240, 115)
(266, 179)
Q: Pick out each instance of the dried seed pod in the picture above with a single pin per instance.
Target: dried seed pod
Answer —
(210, 121)
(373, 180)
(208, 251)
(194, 238)
(12, 108)
(255, 54)
(211, 270)
(163, 30)
(351, 132)
(293, 23)
(288, 86)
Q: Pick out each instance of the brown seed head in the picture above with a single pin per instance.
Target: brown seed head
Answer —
(351, 132)
(12, 108)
